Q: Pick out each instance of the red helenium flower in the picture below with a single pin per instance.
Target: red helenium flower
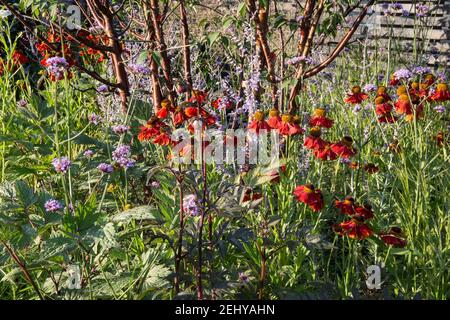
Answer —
(347, 206)
(288, 127)
(258, 123)
(356, 96)
(310, 196)
(313, 141)
(344, 148)
(320, 120)
(274, 119)
(354, 229)
(326, 153)
(442, 94)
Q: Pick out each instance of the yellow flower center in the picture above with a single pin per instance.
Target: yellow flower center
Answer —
(348, 201)
(381, 90)
(379, 100)
(356, 89)
(274, 112)
(348, 141)
(423, 86)
(315, 131)
(429, 77)
(401, 90)
(165, 103)
(403, 97)
(258, 116)
(415, 85)
(320, 112)
(286, 118)
(441, 87)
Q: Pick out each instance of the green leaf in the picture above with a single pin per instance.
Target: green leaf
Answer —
(25, 194)
(212, 37)
(157, 57)
(242, 9)
(138, 213)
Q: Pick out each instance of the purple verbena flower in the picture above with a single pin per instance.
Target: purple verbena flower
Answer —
(357, 108)
(421, 70)
(120, 129)
(296, 60)
(105, 168)
(190, 205)
(94, 118)
(61, 164)
(122, 156)
(439, 109)
(52, 205)
(396, 6)
(403, 74)
(56, 66)
(103, 88)
(370, 87)
(243, 278)
(22, 103)
(422, 10)
(88, 153)
(139, 69)
(441, 77)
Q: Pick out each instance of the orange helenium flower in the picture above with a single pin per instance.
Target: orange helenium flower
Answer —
(442, 94)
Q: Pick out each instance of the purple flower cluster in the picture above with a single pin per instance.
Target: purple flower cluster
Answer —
(439, 109)
(120, 129)
(357, 108)
(22, 103)
(190, 205)
(155, 184)
(61, 164)
(52, 205)
(94, 118)
(441, 77)
(296, 60)
(422, 10)
(139, 69)
(105, 168)
(122, 156)
(243, 278)
(103, 88)
(403, 74)
(88, 153)
(370, 87)
(56, 66)
(421, 70)
(396, 6)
